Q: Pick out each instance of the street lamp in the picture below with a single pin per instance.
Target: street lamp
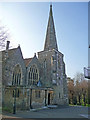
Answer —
(31, 99)
(14, 105)
(15, 95)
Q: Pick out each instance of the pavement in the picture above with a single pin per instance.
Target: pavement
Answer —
(51, 112)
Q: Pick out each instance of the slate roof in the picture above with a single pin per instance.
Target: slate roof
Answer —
(11, 52)
(27, 61)
(8, 53)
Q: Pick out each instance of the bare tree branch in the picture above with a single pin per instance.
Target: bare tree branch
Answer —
(4, 36)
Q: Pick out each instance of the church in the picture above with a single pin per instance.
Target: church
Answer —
(34, 82)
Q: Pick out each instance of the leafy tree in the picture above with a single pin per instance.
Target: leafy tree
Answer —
(78, 90)
(81, 88)
(70, 90)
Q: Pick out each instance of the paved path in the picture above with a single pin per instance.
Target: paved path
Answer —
(67, 112)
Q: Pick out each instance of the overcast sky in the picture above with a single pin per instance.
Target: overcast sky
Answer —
(27, 23)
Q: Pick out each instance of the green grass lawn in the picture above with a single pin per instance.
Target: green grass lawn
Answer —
(87, 105)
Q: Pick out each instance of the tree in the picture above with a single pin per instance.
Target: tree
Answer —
(81, 89)
(79, 77)
(78, 90)
(3, 36)
(84, 91)
(70, 90)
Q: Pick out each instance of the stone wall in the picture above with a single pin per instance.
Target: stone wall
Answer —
(23, 98)
(9, 97)
(35, 63)
(53, 74)
(10, 59)
(38, 101)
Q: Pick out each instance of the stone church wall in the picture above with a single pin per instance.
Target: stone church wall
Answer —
(51, 75)
(22, 102)
(38, 101)
(24, 97)
(10, 59)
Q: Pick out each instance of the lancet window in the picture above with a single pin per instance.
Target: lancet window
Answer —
(33, 75)
(16, 77)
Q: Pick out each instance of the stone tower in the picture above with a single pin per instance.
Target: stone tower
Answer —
(52, 72)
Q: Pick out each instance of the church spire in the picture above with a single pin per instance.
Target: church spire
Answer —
(50, 41)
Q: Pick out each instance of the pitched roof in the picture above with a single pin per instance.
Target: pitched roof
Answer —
(8, 52)
(11, 52)
(27, 61)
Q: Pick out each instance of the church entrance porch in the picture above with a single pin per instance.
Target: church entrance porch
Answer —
(26, 98)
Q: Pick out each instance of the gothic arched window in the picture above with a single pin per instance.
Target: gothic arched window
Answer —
(34, 73)
(16, 78)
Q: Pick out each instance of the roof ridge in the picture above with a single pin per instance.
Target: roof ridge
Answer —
(27, 58)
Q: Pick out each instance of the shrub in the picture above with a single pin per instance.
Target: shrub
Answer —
(7, 109)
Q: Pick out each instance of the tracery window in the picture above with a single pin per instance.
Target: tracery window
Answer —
(16, 78)
(33, 74)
